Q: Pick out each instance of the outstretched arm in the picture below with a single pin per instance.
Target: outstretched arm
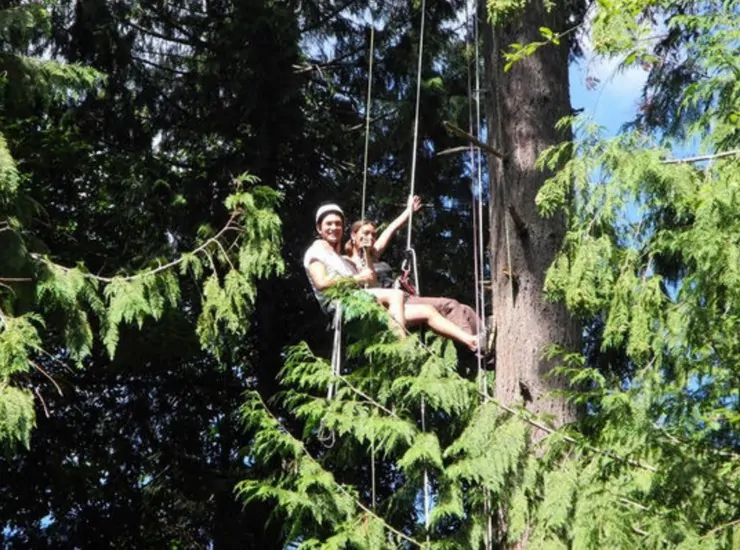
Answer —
(414, 204)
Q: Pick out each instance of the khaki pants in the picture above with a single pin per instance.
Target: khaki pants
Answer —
(461, 315)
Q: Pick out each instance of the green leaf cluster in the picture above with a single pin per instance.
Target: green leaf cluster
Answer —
(650, 265)
(243, 251)
(650, 261)
(488, 471)
(246, 249)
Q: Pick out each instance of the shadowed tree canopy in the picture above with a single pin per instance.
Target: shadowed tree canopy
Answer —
(174, 402)
(143, 449)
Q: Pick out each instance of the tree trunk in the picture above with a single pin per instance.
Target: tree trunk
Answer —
(522, 107)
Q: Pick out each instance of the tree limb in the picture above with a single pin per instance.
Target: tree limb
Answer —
(202, 248)
(472, 139)
(702, 157)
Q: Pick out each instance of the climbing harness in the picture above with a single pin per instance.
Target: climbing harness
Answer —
(409, 279)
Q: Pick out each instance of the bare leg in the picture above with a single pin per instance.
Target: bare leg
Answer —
(393, 300)
(460, 314)
(418, 313)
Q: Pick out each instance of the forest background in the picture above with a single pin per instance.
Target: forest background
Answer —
(147, 283)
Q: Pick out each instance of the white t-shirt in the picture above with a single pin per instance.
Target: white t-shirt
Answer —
(336, 266)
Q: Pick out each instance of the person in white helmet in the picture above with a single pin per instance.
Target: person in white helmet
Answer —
(325, 266)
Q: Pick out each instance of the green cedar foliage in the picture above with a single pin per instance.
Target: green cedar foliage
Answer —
(23, 74)
(229, 261)
(19, 334)
(651, 257)
(624, 480)
(478, 456)
(650, 264)
(194, 93)
(468, 452)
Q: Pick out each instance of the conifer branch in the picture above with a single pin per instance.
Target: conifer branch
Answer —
(226, 255)
(316, 65)
(338, 485)
(452, 150)
(154, 34)
(43, 403)
(569, 439)
(679, 441)
(635, 504)
(721, 528)
(328, 17)
(55, 360)
(42, 371)
(537, 424)
(159, 67)
(368, 398)
(230, 226)
(373, 120)
(474, 140)
(702, 158)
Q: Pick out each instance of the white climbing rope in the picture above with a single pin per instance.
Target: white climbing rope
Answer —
(368, 104)
(414, 153)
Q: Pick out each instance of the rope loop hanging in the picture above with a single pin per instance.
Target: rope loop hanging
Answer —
(326, 436)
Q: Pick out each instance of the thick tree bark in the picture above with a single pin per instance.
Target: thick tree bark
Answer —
(522, 106)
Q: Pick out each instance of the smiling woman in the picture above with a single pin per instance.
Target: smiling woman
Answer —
(326, 266)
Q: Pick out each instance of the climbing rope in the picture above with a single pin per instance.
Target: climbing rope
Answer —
(472, 129)
(366, 257)
(480, 275)
(410, 260)
(427, 498)
(476, 166)
(414, 152)
(367, 117)
(336, 354)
